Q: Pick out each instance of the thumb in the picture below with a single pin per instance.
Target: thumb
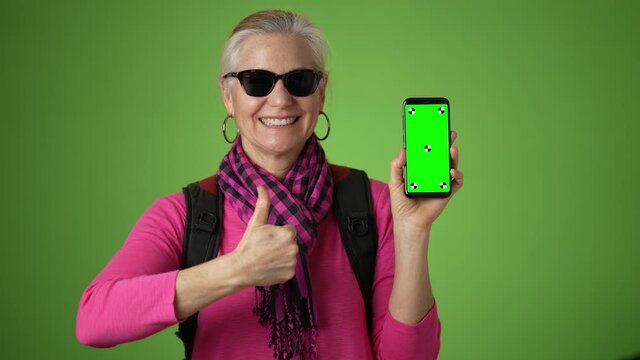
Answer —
(263, 205)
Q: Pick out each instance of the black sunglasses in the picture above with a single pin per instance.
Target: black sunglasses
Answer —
(303, 82)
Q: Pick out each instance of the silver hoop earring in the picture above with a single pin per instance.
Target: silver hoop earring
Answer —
(224, 129)
(328, 126)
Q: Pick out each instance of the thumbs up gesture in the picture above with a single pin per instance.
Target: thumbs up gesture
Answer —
(266, 254)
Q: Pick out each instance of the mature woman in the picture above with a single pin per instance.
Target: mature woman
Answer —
(279, 235)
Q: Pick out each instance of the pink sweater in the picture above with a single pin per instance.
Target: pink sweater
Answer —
(132, 297)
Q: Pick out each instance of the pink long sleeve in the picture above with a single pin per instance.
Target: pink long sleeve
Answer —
(133, 296)
(391, 338)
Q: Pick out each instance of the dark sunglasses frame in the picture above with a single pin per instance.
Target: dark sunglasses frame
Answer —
(245, 75)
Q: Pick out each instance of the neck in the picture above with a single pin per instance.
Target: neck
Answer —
(277, 165)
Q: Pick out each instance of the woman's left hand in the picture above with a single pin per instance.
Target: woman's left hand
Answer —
(416, 215)
(412, 295)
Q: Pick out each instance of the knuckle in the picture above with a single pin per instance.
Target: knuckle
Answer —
(294, 249)
(291, 258)
(290, 274)
(291, 230)
(261, 204)
(288, 232)
(271, 235)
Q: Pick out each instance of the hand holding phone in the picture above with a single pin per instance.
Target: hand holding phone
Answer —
(426, 138)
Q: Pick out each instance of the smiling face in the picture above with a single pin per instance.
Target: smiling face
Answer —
(274, 127)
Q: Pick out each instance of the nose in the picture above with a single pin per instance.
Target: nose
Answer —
(279, 96)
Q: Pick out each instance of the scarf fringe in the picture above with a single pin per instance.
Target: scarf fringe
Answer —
(294, 335)
(303, 198)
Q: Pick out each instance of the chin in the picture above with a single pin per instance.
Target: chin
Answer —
(285, 147)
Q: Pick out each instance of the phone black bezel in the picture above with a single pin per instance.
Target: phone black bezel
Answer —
(419, 101)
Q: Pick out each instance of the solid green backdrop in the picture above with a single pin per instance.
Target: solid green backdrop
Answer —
(108, 105)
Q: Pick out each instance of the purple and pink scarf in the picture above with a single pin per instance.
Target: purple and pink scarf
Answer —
(302, 199)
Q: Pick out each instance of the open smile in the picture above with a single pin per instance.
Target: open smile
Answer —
(279, 121)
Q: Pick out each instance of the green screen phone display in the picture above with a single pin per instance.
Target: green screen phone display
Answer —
(426, 137)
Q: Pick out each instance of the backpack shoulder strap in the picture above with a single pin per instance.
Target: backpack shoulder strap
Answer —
(201, 242)
(358, 230)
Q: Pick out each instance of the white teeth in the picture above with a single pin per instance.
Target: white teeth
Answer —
(278, 122)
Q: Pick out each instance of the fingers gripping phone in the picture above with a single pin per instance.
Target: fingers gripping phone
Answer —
(426, 138)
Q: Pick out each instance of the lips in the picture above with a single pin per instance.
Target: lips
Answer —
(280, 121)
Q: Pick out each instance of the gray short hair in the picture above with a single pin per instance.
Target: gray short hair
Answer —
(273, 22)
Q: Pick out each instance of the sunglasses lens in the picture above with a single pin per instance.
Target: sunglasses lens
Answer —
(260, 82)
(301, 82)
(257, 82)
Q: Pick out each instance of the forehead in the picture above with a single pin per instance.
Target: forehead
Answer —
(275, 52)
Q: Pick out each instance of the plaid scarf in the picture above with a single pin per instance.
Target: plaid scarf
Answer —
(302, 199)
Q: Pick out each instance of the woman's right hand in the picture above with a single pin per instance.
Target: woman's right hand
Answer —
(266, 254)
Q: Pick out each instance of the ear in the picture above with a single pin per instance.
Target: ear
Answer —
(227, 96)
(323, 87)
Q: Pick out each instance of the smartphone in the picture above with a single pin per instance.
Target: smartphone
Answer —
(426, 137)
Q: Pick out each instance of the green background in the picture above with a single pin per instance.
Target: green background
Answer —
(426, 126)
(107, 105)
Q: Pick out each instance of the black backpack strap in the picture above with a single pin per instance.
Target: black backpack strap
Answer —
(358, 230)
(201, 240)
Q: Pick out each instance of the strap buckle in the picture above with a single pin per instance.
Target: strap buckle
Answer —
(358, 225)
(206, 222)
